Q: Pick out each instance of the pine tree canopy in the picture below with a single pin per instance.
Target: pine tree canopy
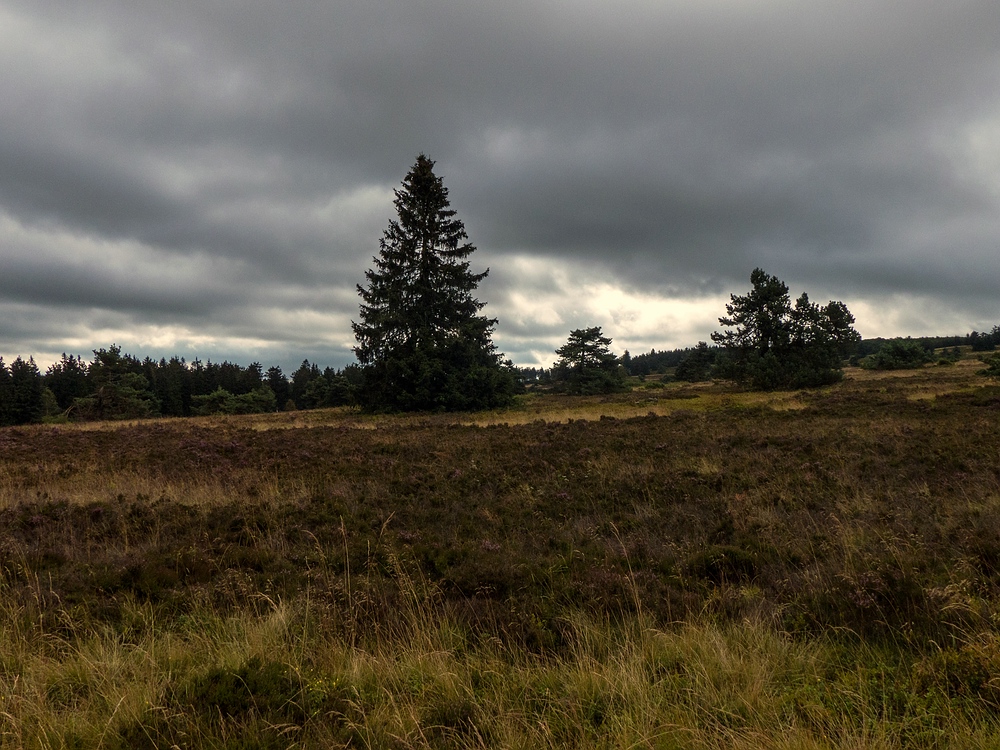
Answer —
(421, 342)
(773, 344)
(586, 364)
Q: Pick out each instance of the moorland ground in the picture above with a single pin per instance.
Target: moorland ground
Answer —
(678, 566)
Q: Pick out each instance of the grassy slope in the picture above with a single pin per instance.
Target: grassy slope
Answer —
(698, 568)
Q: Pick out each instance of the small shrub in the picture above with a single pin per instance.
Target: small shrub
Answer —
(970, 672)
(722, 564)
(992, 369)
(449, 718)
(252, 706)
(697, 365)
(70, 688)
(268, 688)
(220, 401)
(898, 354)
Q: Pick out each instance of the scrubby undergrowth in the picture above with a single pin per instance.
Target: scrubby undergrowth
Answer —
(731, 570)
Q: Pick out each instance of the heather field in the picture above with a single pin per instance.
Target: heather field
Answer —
(680, 566)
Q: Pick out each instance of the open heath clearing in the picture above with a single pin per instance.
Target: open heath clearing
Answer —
(680, 566)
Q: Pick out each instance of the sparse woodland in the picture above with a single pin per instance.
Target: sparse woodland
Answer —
(422, 345)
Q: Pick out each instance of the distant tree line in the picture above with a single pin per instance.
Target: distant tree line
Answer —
(984, 342)
(653, 361)
(423, 346)
(706, 362)
(773, 343)
(977, 341)
(897, 354)
(114, 385)
(640, 365)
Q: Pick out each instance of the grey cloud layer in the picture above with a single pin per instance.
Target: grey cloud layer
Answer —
(236, 159)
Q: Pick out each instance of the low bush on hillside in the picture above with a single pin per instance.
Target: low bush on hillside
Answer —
(992, 368)
(898, 354)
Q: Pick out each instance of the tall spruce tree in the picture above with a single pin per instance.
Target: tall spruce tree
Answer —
(26, 392)
(6, 395)
(421, 342)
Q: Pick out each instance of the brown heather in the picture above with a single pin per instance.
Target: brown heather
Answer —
(667, 568)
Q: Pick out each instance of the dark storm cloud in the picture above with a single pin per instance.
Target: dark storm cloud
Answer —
(227, 168)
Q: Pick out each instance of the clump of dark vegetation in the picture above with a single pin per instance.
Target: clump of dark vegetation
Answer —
(983, 341)
(698, 365)
(898, 354)
(772, 344)
(114, 385)
(992, 368)
(267, 695)
(586, 365)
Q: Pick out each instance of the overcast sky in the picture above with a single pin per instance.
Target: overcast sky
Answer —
(211, 177)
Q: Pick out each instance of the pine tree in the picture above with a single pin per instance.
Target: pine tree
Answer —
(26, 392)
(67, 379)
(697, 364)
(279, 385)
(6, 395)
(421, 342)
(586, 364)
(119, 388)
(301, 378)
(774, 344)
